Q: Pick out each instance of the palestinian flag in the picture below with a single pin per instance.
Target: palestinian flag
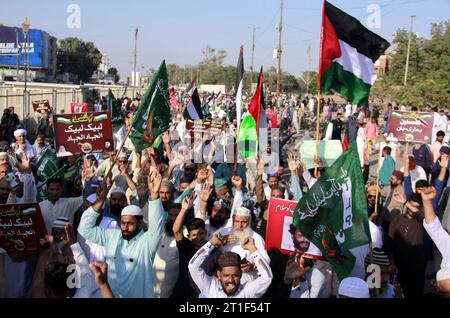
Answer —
(153, 115)
(239, 85)
(190, 86)
(193, 109)
(333, 213)
(347, 55)
(257, 106)
(247, 140)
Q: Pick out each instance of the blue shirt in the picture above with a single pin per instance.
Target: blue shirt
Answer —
(130, 263)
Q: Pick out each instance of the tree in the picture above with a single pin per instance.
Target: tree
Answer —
(115, 73)
(429, 65)
(78, 57)
(213, 57)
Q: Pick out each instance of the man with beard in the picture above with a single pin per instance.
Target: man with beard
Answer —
(55, 206)
(108, 219)
(166, 263)
(405, 245)
(129, 251)
(227, 282)
(308, 274)
(389, 193)
(239, 231)
(220, 214)
(165, 193)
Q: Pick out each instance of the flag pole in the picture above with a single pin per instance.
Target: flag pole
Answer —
(316, 161)
(378, 178)
(117, 155)
(322, 30)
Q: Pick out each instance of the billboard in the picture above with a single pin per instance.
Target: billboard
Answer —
(12, 45)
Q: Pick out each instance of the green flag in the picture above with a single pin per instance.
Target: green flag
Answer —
(248, 138)
(333, 213)
(47, 165)
(114, 109)
(153, 115)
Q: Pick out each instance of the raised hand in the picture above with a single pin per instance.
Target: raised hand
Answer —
(69, 237)
(100, 271)
(260, 165)
(399, 197)
(202, 174)
(427, 193)
(206, 192)
(186, 204)
(293, 163)
(166, 137)
(216, 239)
(249, 244)
(154, 183)
(25, 165)
(444, 161)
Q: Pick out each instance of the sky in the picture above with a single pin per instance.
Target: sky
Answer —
(178, 30)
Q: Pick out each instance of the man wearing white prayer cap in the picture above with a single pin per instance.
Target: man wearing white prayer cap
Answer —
(240, 230)
(129, 251)
(117, 201)
(353, 287)
(23, 145)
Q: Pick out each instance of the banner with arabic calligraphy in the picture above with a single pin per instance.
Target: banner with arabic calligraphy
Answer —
(78, 107)
(82, 133)
(21, 227)
(281, 213)
(203, 126)
(42, 106)
(333, 213)
(416, 127)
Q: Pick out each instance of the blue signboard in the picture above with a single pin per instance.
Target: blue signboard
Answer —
(12, 44)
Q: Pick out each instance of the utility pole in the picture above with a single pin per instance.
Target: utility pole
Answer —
(280, 29)
(309, 69)
(134, 81)
(253, 28)
(409, 48)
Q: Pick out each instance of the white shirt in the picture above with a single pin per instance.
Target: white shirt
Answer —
(440, 238)
(444, 123)
(435, 149)
(165, 267)
(271, 162)
(348, 110)
(417, 174)
(318, 282)
(360, 252)
(211, 287)
(64, 207)
(86, 279)
(237, 248)
(29, 191)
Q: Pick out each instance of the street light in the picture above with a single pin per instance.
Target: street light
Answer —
(25, 29)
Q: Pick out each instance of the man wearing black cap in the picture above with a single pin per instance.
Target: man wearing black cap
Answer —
(228, 280)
